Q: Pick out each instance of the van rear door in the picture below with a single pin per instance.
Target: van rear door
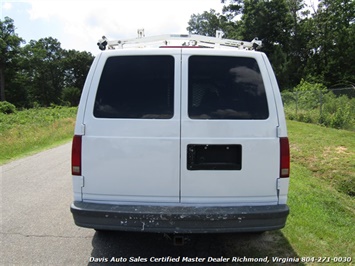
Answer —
(131, 145)
(229, 145)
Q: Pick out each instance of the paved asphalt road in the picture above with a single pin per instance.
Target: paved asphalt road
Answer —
(37, 226)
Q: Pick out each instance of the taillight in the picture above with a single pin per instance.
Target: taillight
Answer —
(284, 157)
(76, 156)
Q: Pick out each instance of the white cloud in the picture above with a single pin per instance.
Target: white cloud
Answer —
(84, 22)
(7, 6)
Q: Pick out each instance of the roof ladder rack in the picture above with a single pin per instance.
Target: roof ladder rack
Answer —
(190, 40)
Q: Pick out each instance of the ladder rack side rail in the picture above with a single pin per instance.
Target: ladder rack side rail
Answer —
(150, 39)
(187, 37)
(209, 39)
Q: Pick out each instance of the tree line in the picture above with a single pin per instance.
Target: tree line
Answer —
(313, 44)
(303, 44)
(39, 73)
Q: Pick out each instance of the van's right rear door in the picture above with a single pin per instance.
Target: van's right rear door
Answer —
(229, 143)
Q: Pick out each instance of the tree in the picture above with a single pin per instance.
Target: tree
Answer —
(9, 49)
(332, 46)
(76, 66)
(205, 24)
(41, 72)
(284, 26)
(271, 22)
(42, 63)
(298, 51)
(71, 95)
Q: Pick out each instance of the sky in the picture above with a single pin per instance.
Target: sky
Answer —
(79, 24)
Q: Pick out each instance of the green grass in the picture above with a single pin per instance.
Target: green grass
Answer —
(322, 205)
(321, 194)
(29, 131)
(328, 153)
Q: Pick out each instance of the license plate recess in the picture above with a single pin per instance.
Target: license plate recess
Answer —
(214, 157)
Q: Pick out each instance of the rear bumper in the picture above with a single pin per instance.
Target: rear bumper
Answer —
(185, 219)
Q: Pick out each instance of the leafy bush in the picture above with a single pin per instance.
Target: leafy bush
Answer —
(309, 95)
(338, 112)
(35, 117)
(307, 86)
(7, 108)
(32, 129)
(313, 103)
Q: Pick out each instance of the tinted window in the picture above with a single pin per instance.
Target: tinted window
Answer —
(136, 87)
(226, 88)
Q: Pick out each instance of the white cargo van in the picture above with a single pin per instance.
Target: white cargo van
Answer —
(180, 139)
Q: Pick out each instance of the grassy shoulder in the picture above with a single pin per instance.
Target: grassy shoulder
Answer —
(33, 130)
(321, 223)
(329, 154)
(321, 195)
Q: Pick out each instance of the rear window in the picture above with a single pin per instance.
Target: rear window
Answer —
(223, 87)
(140, 87)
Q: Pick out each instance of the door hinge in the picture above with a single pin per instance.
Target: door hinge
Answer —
(82, 129)
(278, 184)
(278, 188)
(82, 186)
(278, 131)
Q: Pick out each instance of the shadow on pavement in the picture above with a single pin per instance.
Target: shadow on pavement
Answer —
(120, 248)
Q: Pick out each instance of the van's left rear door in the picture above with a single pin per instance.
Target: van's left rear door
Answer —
(131, 145)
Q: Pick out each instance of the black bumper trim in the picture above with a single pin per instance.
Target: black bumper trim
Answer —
(175, 219)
